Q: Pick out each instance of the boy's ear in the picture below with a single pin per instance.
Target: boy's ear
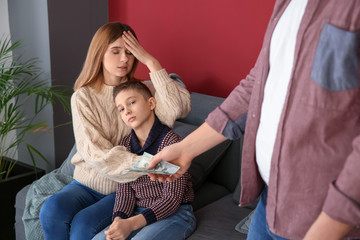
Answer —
(152, 102)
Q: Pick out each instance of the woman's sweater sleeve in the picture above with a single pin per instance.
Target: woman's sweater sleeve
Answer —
(97, 151)
(172, 100)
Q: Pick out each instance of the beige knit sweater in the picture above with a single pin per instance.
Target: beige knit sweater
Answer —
(98, 129)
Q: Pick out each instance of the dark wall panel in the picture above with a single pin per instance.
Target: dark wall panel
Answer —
(71, 27)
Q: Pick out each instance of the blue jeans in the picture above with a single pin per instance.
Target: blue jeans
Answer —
(76, 212)
(178, 226)
(259, 229)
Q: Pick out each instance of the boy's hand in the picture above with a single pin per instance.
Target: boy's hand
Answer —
(132, 44)
(120, 229)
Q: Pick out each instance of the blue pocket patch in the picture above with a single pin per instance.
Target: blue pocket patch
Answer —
(336, 62)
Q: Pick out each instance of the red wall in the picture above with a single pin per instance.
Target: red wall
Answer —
(211, 44)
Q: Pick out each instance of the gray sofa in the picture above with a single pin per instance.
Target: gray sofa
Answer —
(215, 176)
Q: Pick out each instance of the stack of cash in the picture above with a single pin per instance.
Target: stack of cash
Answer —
(161, 168)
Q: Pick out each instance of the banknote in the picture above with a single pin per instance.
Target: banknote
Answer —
(161, 168)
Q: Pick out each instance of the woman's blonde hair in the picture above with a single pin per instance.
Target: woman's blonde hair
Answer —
(92, 71)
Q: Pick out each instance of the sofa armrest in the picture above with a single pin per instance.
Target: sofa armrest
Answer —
(19, 211)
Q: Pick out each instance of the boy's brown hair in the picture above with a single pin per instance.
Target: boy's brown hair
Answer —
(133, 85)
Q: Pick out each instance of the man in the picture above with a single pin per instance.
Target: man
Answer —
(301, 149)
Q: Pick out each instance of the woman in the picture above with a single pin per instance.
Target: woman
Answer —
(84, 207)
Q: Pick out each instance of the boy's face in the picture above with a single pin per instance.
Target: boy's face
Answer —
(135, 110)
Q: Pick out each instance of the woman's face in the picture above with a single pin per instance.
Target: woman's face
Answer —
(117, 63)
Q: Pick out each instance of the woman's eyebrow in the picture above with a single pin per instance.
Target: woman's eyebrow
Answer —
(116, 47)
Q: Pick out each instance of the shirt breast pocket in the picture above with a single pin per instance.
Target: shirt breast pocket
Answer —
(336, 63)
(335, 71)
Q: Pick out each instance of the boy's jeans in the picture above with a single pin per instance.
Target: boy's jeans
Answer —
(178, 226)
(259, 228)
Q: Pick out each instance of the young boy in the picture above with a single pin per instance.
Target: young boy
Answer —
(143, 207)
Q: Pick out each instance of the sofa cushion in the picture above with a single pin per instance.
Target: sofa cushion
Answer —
(183, 129)
(202, 105)
(218, 220)
(227, 171)
(67, 167)
(207, 193)
(202, 165)
(244, 225)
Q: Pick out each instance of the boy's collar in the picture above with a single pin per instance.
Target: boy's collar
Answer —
(154, 133)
